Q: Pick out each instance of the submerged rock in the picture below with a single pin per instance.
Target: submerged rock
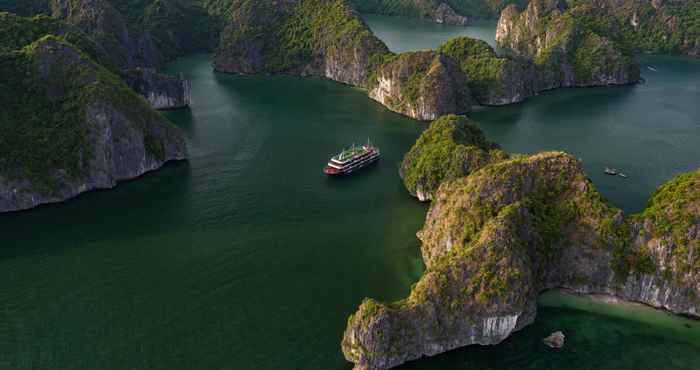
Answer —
(555, 340)
(85, 129)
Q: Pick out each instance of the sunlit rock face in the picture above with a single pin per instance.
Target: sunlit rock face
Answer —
(162, 91)
(423, 85)
(106, 132)
(497, 237)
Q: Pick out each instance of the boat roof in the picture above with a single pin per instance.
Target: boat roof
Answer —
(351, 153)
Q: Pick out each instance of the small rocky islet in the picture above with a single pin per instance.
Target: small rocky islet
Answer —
(501, 227)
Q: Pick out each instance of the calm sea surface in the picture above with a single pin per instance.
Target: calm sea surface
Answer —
(247, 257)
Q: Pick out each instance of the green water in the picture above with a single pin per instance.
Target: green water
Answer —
(649, 131)
(247, 257)
(409, 34)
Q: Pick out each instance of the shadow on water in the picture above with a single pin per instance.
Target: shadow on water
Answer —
(162, 197)
(248, 257)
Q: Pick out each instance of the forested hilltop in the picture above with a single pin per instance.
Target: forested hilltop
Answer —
(656, 26)
(69, 123)
(502, 228)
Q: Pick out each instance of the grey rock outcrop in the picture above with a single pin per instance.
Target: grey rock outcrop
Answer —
(424, 85)
(162, 91)
(445, 14)
(555, 340)
(134, 53)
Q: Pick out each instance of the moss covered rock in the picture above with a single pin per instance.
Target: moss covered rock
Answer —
(70, 126)
(302, 37)
(452, 147)
(653, 26)
(492, 79)
(495, 239)
(566, 50)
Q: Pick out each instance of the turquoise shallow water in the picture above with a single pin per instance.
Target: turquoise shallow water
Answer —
(247, 257)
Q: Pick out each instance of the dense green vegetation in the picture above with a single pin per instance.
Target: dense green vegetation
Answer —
(40, 134)
(178, 27)
(16, 32)
(46, 87)
(671, 28)
(560, 39)
(450, 148)
(479, 63)
(313, 26)
(26, 7)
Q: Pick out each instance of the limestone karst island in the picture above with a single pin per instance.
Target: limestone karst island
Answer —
(349, 184)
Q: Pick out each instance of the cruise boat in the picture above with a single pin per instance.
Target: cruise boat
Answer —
(352, 159)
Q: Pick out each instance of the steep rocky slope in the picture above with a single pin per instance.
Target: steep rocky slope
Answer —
(423, 85)
(566, 50)
(70, 126)
(496, 238)
(452, 147)
(302, 37)
(106, 25)
(656, 26)
(161, 90)
(492, 79)
(128, 48)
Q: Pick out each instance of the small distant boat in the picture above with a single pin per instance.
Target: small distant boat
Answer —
(622, 175)
(352, 159)
(610, 171)
(652, 69)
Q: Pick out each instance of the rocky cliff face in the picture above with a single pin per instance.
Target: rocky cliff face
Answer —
(302, 37)
(656, 26)
(445, 14)
(452, 147)
(424, 85)
(125, 50)
(496, 238)
(565, 48)
(492, 79)
(162, 91)
(106, 25)
(84, 129)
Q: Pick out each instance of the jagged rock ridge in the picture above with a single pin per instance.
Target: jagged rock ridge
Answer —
(496, 238)
(87, 130)
(127, 50)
